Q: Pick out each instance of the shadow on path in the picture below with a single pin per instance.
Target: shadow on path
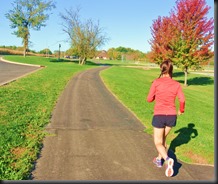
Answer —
(185, 135)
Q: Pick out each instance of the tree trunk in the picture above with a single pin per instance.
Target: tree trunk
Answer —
(25, 42)
(24, 47)
(24, 52)
(186, 76)
(83, 61)
(80, 60)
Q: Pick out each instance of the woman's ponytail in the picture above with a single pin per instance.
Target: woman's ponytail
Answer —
(166, 67)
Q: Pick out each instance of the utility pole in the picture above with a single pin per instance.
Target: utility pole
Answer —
(46, 55)
(59, 52)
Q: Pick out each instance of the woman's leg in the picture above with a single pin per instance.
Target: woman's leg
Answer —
(166, 132)
(160, 135)
(160, 141)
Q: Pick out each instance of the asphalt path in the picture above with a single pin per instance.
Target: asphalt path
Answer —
(94, 137)
(11, 71)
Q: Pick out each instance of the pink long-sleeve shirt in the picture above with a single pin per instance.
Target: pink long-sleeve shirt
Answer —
(164, 91)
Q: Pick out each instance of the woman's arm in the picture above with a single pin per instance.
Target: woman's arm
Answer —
(151, 94)
(181, 98)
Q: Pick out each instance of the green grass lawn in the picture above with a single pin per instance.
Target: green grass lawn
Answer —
(131, 86)
(25, 108)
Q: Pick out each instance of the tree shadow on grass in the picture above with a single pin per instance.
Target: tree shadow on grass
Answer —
(55, 60)
(178, 74)
(93, 63)
(198, 81)
(76, 61)
(184, 136)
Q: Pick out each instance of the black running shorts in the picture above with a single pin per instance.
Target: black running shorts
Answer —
(161, 121)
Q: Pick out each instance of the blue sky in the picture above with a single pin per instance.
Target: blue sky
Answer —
(126, 22)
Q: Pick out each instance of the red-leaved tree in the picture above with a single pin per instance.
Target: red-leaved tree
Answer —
(162, 33)
(185, 37)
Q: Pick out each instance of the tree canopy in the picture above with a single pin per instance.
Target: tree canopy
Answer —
(185, 37)
(85, 36)
(26, 15)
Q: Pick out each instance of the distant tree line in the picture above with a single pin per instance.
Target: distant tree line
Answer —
(121, 53)
(16, 48)
(20, 48)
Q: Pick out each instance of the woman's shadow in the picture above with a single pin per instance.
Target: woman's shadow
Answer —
(185, 135)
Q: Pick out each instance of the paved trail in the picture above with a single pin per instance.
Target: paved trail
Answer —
(96, 138)
(12, 71)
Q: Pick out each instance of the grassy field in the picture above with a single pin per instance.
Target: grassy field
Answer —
(193, 137)
(26, 106)
(25, 109)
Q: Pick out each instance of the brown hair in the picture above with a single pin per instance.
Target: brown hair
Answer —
(166, 67)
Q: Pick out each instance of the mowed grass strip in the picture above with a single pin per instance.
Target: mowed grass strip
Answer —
(25, 108)
(193, 137)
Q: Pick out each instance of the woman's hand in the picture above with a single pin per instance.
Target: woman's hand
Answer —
(180, 113)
